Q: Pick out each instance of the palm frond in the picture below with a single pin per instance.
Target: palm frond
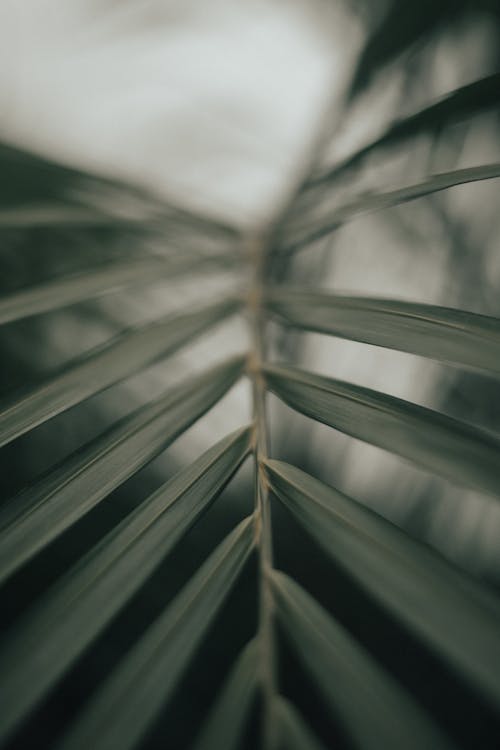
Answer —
(86, 599)
(292, 730)
(129, 700)
(452, 614)
(105, 279)
(225, 723)
(39, 515)
(105, 366)
(446, 446)
(440, 333)
(309, 228)
(461, 104)
(350, 681)
(450, 617)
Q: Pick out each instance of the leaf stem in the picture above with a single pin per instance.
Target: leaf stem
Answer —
(257, 251)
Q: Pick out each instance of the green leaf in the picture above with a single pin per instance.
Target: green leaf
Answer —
(436, 332)
(105, 279)
(33, 519)
(106, 365)
(446, 446)
(320, 220)
(84, 601)
(375, 710)
(457, 105)
(226, 721)
(56, 216)
(36, 191)
(400, 29)
(449, 612)
(293, 732)
(39, 192)
(29, 179)
(130, 699)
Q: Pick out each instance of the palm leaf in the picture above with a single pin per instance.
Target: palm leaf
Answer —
(69, 618)
(226, 721)
(400, 30)
(112, 277)
(457, 105)
(325, 220)
(436, 332)
(453, 615)
(443, 445)
(351, 682)
(31, 521)
(105, 366)
(292, 730)
(433, 603)
(130, 699)
(37, 192)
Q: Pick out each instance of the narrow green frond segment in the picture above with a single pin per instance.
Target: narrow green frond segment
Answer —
(226, 722)
(38, 192)
(321, 220)
(452, 614)
(461, 104)
(105, 366)
(440, 444)
(131, 698)
(443, 181)
(33, 519)
(112, 277)
(398, 29)
(293, 732)
(86, 599)
(374, 709)
(440, 333)
(56, 215)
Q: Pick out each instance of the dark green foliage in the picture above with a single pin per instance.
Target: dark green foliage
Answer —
(145, 613)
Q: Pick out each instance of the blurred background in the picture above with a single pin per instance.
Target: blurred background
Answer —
(219, 108)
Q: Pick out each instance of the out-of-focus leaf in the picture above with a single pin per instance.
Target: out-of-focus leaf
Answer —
(375, 710)
(437, 332)
(451, 613)
(36, 191)
(39, 192)
(108, 364)
(226, 721)
(443, 445)
(293, 732)
(84, 601)
(28, 179)
(403, 25)
(458, 105)
(129, 700)
(56, 216)
(312, 224)
(112, 277)
(33, 519)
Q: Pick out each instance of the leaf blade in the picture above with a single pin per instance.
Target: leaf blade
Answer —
(450, 613)
(84, 601)
(427, 330)
(457, 105)
(440, 444)
(105, 279)
(293, 732)
(105, 366)
(33, 520)
(226, 720)
(321, 220)
(349, 678)
(129, 700)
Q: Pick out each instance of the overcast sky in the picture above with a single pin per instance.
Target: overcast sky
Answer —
(211, 102)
